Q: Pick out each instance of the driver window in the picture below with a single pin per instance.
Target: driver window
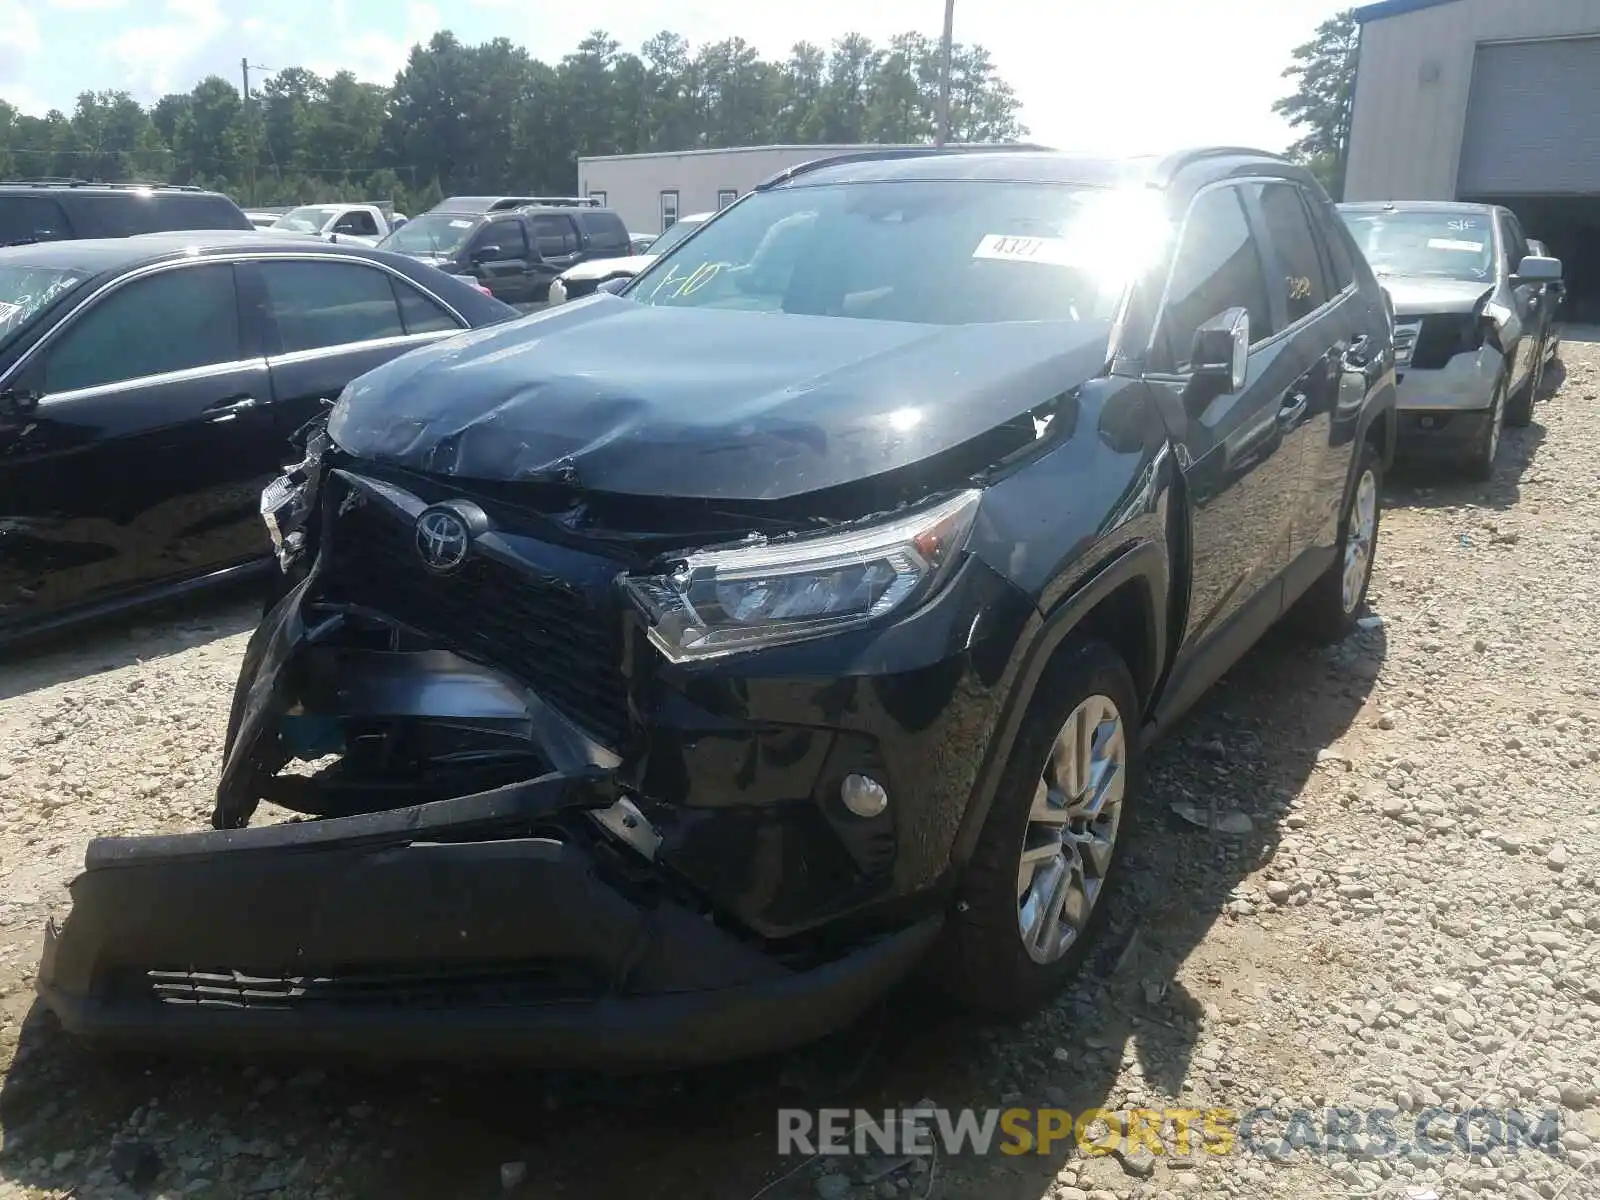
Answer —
(1516, 244)
(172, 321)
(1217, 267)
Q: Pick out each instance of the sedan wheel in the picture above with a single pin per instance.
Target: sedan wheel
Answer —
(1072, 830)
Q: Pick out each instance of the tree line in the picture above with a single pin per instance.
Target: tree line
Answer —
(490, 118)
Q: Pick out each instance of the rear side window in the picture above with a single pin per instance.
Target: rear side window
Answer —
(1303, 287)
(421, 314)
(1336, 238)
(360, 223)
(605, 229)
(172, 321)
(553, 236)
(32, 219)
(320, 304)
(1217, 267)
(123, 215)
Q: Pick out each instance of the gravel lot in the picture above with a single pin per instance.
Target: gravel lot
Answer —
(1411, 923)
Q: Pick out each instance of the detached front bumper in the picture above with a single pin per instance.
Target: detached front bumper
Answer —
(465, 929)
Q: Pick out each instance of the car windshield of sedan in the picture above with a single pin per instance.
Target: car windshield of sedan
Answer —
(1442, 243)
(926, 252)
(431, 233)
(308, 219)
(25, 291)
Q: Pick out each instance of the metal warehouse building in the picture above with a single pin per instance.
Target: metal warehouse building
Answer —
(651, 191)
(1487, 100)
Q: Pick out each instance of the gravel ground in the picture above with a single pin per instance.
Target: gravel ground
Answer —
(1411, 923)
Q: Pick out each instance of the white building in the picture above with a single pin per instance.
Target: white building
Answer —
(651, 191)
(1489, 100)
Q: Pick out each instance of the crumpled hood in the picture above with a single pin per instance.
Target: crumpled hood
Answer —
(605, 268)
(620, 397)
(1419, 295)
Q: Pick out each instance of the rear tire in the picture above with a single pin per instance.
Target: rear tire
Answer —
(1328, 611)
(1033, 897)
(1479, 463)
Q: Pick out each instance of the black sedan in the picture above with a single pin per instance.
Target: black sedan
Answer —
(148, 390)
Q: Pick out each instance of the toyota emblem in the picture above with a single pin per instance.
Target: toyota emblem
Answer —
(442, 540)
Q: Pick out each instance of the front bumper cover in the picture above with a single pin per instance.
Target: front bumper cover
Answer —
(462, 929)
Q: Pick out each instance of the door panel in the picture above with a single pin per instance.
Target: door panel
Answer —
(144, 459)
(1312, 349)
(330, 320)
(509, 274)
(1239, 480)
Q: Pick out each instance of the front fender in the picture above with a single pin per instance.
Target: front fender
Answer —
(1142, 563)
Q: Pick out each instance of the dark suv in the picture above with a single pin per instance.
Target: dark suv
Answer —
(673, 703)
(515, 252)
(57, 211)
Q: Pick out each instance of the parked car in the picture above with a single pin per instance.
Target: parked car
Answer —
(754, 641)
(586, 278)
(640, 243)
(1556, 298)
(514, 252)
(148, 388)
(362, 224)
(1470, 321)
(52, 212)
(261, 220)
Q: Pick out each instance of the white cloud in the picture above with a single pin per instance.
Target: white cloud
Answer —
(87, 5)
(156, 59)
(372, 55)
(19, 38)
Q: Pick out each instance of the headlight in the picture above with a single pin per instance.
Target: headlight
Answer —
(722, 601)
(289, 499)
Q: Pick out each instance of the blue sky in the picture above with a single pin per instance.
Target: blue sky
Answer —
(1136, 74)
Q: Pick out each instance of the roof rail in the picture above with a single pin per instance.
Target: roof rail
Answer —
(1172, 163)
(890, 153)
(126, 184)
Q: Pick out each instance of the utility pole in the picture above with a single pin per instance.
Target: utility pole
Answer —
(942, 134)
(245, 67)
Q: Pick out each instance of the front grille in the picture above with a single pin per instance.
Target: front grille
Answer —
(535, 628)
(478, 987)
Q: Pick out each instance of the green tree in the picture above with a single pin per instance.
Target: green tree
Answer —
(1324, 75)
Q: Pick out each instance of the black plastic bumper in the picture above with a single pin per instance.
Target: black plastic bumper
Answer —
(459, 930)
(1442, 434)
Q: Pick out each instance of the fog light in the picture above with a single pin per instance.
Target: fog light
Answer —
(862, 796)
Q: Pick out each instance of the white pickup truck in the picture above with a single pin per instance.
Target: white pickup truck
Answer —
(363, 224)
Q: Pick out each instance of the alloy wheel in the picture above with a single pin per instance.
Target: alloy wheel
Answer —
(1361, 530)
(1072, 828)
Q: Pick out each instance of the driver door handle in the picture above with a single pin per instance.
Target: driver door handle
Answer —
(1293, 409)
(229, 409)
(1356, 355)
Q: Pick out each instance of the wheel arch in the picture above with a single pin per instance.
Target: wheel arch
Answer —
(1123, 602)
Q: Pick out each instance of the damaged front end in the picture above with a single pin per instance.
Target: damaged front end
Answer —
(552, 820)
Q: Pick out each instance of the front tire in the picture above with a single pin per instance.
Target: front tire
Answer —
(1519, 412)
(1480, 459)
(1033, 896)
(1328, 611)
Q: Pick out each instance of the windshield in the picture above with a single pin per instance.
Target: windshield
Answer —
(24, 291)
(1449, 245)
(927, 252)
(431, 233)
(672, 237)
(309, 219)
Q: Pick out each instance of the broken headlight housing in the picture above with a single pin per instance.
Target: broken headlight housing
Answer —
(722, 601)
(289, 499)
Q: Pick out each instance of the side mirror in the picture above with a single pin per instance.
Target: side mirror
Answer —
(1220, 354)
(1538, 269)
(18, 403)
(615, 285)
(487, 254)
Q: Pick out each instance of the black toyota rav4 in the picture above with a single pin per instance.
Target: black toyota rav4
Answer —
(671, 672)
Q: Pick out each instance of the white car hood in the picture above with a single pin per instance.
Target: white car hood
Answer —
(605, 268)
